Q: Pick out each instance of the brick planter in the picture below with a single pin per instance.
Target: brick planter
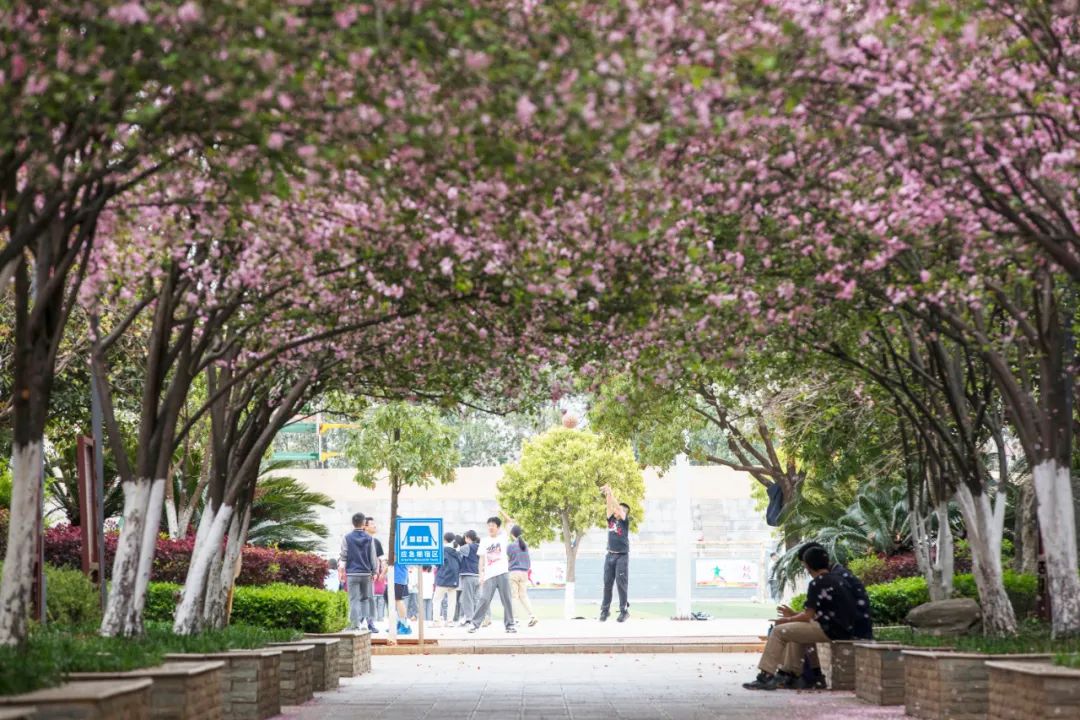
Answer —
(326, 670)
(942, 685)
(181, 690)
(17, 713)
(251, 687)
(87, 700)
(296, 672)
(354, 652)
(1022, 691)
(879, 673)
(837, 660)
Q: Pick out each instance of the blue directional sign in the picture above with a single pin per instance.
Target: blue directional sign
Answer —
(419, 541)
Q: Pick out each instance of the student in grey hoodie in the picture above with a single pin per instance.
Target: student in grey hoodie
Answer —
(469, 576)
(447, 578)
(361, 563)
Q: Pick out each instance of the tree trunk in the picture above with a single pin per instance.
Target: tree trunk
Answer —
(391, 607)
(119, 610)
(944, 561)
(207, 546)
(569, 595)
(17, 584)
(985, 525)
(146, 555)
(1027, 530)
(1053, 489)
(223, 573)
(170, 511)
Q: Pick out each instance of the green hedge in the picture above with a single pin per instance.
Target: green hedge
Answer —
(53, 651)
(890, 602)
(288, 607)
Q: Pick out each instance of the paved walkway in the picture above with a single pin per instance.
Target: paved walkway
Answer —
(592, 629)
(573, 687)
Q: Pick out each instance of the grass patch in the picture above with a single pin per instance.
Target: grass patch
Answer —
(53, 652)
(1034, 637)
(1069, 660)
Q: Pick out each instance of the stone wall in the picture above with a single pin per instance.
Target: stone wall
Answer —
(837, 660)
(181, 690)
(879, 673)
(354, 651)
(251, 684)
(296, 673)
(1023, 691)
(325, 668)
(948, 685)
(88, 700)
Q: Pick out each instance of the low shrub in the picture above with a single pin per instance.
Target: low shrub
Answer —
(292, 607)
(161, 600)
(54, 651)
(70, 598)
(864, 568)
(260, 566)
(276, 606)
(1023, 591)
(890, 602)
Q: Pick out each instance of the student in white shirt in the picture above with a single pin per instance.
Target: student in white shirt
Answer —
(494, 575)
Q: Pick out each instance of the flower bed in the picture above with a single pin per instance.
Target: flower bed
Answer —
(261, 566)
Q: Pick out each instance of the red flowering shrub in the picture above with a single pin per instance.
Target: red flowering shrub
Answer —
(260, 566)
(902, 565)
(300, 568)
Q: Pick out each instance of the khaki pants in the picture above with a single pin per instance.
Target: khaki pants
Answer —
(450, 594)
(787, 645)
(519, 590)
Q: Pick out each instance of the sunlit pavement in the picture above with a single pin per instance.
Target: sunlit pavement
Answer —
(633, 628)
(572, 687)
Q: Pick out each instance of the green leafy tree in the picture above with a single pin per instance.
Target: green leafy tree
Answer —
(554, 490)
(412, 445)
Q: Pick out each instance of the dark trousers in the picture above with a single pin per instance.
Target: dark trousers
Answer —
(616, 572)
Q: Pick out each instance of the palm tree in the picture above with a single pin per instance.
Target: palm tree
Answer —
(283, 512)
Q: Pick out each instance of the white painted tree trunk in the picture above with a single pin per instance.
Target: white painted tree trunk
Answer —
(146, 556)
(1053, 490)
(119, 610)
(569, 601)
(207, 546)
(985, 525)
(944, 562)
(171, 518)
(222, 573)
(16, 586)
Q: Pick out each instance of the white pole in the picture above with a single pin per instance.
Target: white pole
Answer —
(683, 538)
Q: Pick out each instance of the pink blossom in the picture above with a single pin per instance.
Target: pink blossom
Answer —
(525, 110)
(130, 13)
(275, 141)
(189, 13)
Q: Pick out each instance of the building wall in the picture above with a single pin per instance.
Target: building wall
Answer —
(726, 523)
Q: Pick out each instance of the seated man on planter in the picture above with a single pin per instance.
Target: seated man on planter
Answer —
(832, 612)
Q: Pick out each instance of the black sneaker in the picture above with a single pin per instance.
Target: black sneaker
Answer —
(511, 629)
(764, 681)
(623, 615)
(788, 681)
(603, 615)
